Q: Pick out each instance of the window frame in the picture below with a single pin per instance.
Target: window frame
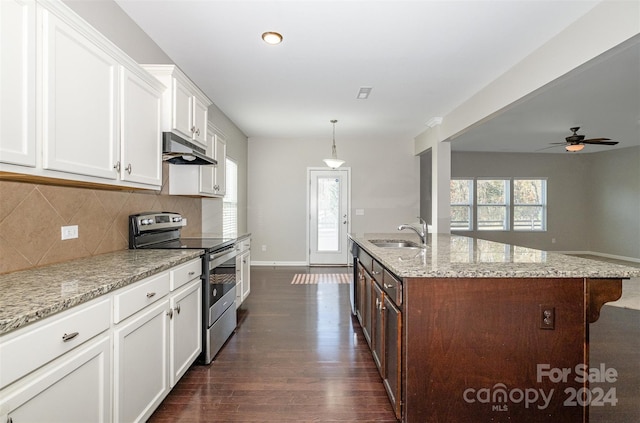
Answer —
(509, 204)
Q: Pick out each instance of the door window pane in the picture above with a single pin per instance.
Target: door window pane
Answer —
(328, 201)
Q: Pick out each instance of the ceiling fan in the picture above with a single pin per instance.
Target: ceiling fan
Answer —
(575, 142)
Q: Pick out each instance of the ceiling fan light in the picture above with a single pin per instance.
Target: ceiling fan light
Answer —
(574, 147)
(333, 163)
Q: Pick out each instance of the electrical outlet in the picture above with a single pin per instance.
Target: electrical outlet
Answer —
(547, 317)
(184, 221)
(264, 248)
(69, 232)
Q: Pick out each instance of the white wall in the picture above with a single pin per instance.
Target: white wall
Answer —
(613, 178)
(384, 182)
(593, 199)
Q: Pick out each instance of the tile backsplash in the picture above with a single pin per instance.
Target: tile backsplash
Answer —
(31, 216)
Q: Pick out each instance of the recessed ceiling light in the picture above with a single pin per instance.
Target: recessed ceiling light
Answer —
(272, 38)
(364, 92)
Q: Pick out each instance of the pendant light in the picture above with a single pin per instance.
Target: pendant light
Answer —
(334, 162)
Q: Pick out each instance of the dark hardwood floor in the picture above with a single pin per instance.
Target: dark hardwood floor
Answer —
(298, 356)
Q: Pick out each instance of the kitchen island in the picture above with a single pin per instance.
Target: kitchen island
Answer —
(473, 330)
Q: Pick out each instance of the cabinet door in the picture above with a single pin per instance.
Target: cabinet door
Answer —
(220, 168)
(392, 322)
(182, 119)
(80, 102)
(200, 117)
(75, 388)
(207, 173)
(141, 363)
(246, 275)
(17, 82)
(378, 327)
(243, 282)
(186, 329)
(140, 145)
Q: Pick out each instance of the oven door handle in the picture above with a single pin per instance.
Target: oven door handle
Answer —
(220, 257)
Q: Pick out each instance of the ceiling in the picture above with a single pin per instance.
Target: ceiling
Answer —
(421, 58)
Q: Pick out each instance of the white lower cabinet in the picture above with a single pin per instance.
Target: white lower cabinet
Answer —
(243, 271)
(74, 388)
(141, 363)
(113, 359)
(185, 329)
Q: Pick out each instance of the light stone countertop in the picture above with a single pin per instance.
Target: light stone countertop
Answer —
(30, 295)
(453, 256)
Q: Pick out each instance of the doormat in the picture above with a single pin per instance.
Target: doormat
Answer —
(316, 278)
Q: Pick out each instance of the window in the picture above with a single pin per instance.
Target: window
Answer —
(529, 204)
(496, 204)
(461, 204)
(230, 201)
(492, 204)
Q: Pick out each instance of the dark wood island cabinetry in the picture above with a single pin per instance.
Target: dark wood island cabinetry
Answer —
(459, 339)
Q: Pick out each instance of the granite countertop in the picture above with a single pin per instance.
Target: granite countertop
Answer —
(453, 256)
(29, 295)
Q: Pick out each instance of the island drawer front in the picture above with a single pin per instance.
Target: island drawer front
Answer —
(392, 286)
(146, 292)
(366, 260)
(185, 273)
(33, 347)
(376, 270)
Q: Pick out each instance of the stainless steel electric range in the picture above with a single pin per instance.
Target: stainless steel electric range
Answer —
(161, 230)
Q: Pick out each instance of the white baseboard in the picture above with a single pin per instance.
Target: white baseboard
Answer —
(279, 263)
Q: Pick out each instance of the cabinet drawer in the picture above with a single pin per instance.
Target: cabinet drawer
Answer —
(32, 346)
(392, 286)
(365, 259)
(243, 245)
(130, 300)
(376, 270)
(185, 273)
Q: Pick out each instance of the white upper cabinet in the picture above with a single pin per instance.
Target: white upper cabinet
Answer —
(17, 82)
(74, 106)
(140, 147)
(80, 101)
(220, 155)
(184, 105)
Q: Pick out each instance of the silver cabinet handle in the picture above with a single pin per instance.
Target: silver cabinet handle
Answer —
(177, 309)
(128, 168)
(117, 166)
(198, 131)
(151, 294)
(170, 313)
(387, 285)
(373, 272)
(192, 273)
(69, 336)
(193, 129)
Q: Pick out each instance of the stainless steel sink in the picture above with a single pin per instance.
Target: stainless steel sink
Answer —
(391, 243)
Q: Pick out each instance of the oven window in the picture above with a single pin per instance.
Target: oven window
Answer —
(222, 279)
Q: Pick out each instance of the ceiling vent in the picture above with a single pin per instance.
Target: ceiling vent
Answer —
(364, 92)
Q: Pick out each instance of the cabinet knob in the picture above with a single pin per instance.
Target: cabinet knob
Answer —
(151, 294)
(177, 309)
(128, 169)
(117, 166)
(170, 313)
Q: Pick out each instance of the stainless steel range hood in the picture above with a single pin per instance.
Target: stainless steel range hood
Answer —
(179, 151)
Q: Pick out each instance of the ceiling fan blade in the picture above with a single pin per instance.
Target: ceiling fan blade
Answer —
(558, 143)
(595, 141)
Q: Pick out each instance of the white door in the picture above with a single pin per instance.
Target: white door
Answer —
(329, 199)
